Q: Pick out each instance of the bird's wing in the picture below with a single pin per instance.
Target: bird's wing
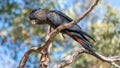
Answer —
(63, 15)
(57, 18)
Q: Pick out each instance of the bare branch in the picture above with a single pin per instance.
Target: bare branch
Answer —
(68, 25)
(110, 60)
(44, 61)
(71, 57)
(26, 56)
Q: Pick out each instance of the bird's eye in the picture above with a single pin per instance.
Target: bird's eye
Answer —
(39, 8)
(36, 20)
(33, 10)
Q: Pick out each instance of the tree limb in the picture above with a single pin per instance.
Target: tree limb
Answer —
(26, 56)
(72, 57)
(69, 58)
(44, 61)
(68, 25)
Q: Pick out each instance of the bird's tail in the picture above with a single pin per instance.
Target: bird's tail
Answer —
(77, 37)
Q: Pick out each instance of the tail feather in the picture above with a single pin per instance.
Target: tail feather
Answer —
(87, 35)
(82, 33)
(81, 40)
(84, 44)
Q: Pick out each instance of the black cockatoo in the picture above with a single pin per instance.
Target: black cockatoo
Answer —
(56, 18)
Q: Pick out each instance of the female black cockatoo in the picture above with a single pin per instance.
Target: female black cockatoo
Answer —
(56, 18)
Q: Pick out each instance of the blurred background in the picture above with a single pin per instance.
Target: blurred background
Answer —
(17, 34)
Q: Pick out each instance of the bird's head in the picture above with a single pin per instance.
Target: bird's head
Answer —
(38, 16)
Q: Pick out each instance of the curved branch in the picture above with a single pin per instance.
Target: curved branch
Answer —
(110, 60)
(69, 58)
(26, 56)
(72, 57)
(68, 25)
(44, 61)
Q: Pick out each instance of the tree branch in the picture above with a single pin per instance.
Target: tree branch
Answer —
(72, 57)
(44, 61)
(69, 58)
(68, 25)
(26, 56)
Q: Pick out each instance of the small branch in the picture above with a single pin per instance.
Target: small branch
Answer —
(68, 25)
(44, 61)
(70, 58)
(110, 60)
(26, 56)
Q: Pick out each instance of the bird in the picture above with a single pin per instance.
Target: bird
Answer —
(55, 18)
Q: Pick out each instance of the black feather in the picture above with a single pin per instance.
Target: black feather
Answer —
(87, 45)
(63, 15)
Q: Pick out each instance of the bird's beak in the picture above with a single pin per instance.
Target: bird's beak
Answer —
(33, 22)
(36, 21)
